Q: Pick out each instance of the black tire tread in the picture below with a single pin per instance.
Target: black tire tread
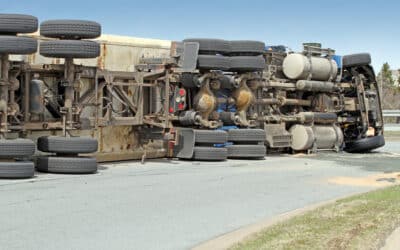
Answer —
(17, 23)
(211, 46)
(356, 60)
(66, 165)
(67, 145)
(247, 47)
(246, 151)
(212, 62)
(210, 136)
(72, 29)
(246, 135)
(210, 154)
(16, 148)
(247, 63)
(17, 169)
(365, 145)
(17, 45)
(70, 49)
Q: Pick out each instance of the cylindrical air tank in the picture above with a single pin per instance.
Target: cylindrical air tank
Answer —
(300, 67)
(302, 137)
(325, 137)
(36, 104)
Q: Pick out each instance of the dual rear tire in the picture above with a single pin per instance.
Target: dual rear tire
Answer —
(66, 150)
(236, 56)
(70, 49)
(246, 144)
(10, 26)
(14, 155)
(66, 165)
(219, 145)
(210, 154)
(66, 159)
(70, 29)
(70, 33)
(17, 170)
(209, 145)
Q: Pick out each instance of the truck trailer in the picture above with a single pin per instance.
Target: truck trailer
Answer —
(71, 97)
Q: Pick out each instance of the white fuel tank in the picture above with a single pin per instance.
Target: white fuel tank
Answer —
(322, 137)
(328, 137)
(300, 67)
(302, 137)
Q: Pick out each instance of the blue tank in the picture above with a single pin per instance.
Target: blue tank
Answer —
(338, 60)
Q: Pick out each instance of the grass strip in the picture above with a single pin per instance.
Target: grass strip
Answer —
(359, 222)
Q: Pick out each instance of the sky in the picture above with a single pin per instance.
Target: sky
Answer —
(348, 26)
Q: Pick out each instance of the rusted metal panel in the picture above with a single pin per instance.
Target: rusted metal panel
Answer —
(118, 138)
(118, 53)
(116, 143)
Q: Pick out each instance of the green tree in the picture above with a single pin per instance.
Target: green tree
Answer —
(398, 80)
(385, 76)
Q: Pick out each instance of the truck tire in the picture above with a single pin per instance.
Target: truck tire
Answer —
(365, 145)
(356, 60)
(17, 169)
(210, 154)
(17, 148)
(211, 62)
(70, 49)
(247, 63)
(67, 165)
(17, 23)
(247, 48)
(67, 145)
(246, 135)
(211, 46)
(246, 151)
(210, 136)
(17, 45)
(70, 29)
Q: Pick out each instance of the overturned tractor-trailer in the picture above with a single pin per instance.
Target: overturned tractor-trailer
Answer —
(70, 98)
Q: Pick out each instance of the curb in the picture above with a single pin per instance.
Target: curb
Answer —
(227, 240)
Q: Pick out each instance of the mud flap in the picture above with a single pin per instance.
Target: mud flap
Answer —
(184, 146)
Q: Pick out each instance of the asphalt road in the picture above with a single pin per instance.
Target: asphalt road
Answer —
(170, 204)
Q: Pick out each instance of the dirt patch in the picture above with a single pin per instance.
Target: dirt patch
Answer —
(379, 180)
